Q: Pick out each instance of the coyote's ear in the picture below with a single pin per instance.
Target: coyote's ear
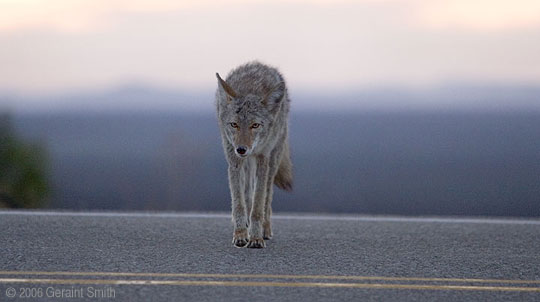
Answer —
(274, 95)
(228, 90)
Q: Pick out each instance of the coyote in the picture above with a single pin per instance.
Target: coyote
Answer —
(252, 109)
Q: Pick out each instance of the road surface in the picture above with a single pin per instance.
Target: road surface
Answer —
(69, 256)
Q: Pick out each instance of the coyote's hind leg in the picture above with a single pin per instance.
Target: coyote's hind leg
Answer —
(275, 159)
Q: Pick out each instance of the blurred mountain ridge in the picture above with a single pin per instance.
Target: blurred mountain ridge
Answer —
(403, 163)
(140, 97)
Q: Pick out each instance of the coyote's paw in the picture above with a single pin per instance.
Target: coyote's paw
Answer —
(256, 243)
(240, 238)
(267, 231)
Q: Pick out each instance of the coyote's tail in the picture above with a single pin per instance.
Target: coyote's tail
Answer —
(284, 175)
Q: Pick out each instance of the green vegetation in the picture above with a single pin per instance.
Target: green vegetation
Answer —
(23, 182)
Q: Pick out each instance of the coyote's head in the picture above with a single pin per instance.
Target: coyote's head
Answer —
(247, 119)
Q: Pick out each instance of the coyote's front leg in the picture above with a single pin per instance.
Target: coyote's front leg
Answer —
(240, 235)
(257, 210)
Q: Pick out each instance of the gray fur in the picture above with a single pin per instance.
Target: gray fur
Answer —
(252, 108)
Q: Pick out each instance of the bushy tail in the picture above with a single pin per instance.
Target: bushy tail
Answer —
(284, 175)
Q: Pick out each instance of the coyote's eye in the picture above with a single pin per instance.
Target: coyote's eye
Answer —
(234, 125)
(255, 125)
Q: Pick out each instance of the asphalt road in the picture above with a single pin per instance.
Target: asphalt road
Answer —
(50, 256)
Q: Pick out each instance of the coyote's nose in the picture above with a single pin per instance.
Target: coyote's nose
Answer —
(241, 150)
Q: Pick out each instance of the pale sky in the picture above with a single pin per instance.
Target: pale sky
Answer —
(56, 46)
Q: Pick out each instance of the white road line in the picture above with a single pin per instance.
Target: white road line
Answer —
(264, 276)
(324, 217)
(269, 284)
